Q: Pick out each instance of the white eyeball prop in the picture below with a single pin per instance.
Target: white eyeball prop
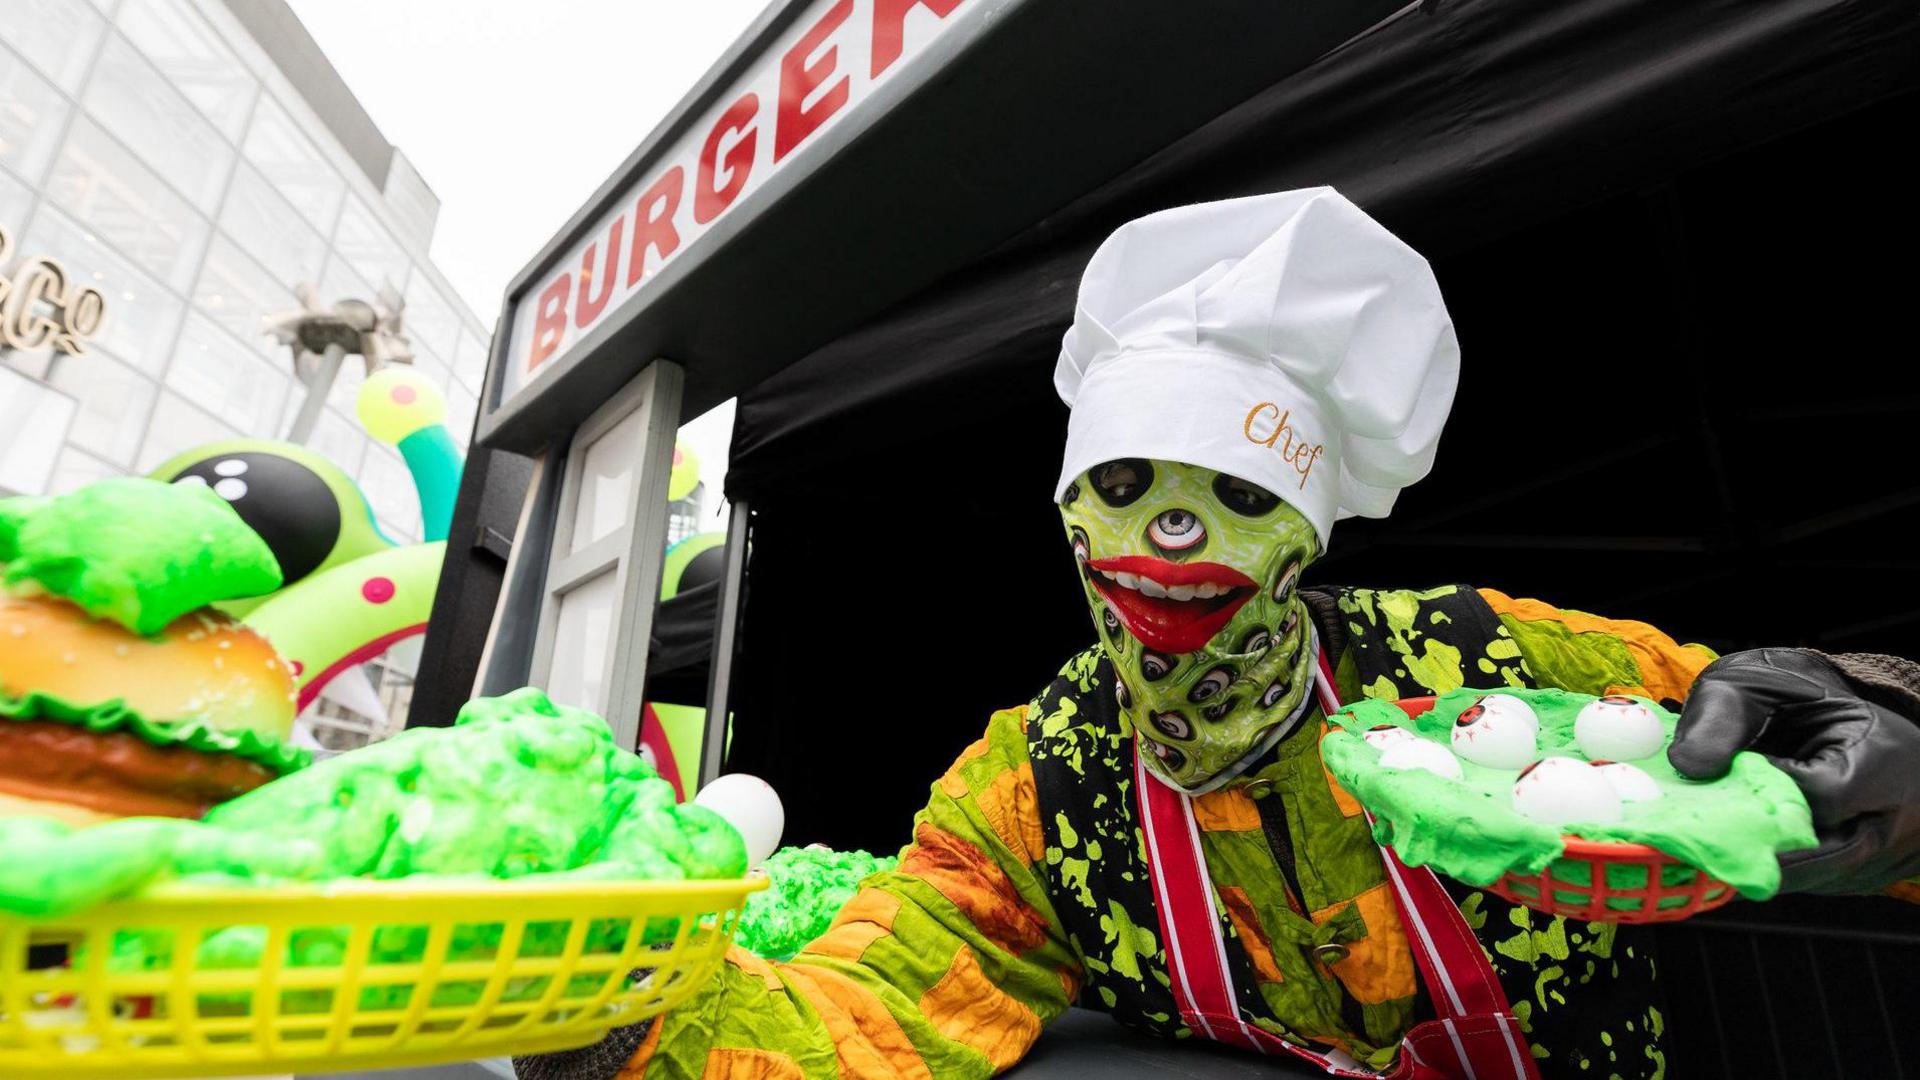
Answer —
(1382, 736)
(1618, 728)
(1509, 706)
(1420, 754)
(1561, 791)
(1497, 735)
(1630, 782)
(752, 807)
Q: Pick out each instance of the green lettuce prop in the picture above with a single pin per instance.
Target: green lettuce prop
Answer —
(518, 786)
(138, 552)
(806, 887)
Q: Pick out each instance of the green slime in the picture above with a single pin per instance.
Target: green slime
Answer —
(138, 552)
(517, 786)
(806, 887)
(1732, 828)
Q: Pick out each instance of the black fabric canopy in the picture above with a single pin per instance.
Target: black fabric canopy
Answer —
(1454, 123)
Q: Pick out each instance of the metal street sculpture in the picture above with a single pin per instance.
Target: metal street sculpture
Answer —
(323, 338)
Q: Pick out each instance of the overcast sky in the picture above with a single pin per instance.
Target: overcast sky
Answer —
(514, 111)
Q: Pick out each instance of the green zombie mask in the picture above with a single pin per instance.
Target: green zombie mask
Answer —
(1191, 575)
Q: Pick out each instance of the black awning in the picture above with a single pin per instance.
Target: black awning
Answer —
(1455, 123)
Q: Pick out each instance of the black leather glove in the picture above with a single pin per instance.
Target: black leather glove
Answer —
(1857, 761)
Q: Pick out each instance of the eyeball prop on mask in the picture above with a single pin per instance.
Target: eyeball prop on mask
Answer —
(752, 807)
(1497, 731)
(1419, 754)
(1560, 791)
(1383, 736)
(1630, 782)
(1618, 728)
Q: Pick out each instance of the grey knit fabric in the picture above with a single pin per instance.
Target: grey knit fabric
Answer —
(1324, 602)
(1887, 681)
(600, 1061)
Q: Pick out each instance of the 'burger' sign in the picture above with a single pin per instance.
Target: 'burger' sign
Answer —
(818, 73)
(40, 307)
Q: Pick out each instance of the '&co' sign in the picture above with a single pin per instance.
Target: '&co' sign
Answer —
(40, 307)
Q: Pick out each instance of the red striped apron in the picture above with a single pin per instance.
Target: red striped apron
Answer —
(1476, 1036)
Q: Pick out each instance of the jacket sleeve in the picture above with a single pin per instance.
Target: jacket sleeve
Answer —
(1587, 654)
(945, 967)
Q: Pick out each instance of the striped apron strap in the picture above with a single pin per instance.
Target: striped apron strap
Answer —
(1476, 1037)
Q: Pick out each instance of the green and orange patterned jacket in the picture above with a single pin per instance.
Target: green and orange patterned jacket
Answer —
(1023, 890)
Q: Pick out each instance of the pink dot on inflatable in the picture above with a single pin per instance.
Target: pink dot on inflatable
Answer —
(377, 590)
(297, 666)
(403, 395)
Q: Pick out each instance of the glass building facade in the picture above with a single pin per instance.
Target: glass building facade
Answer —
(174, 161)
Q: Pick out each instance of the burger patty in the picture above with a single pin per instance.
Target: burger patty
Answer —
(117, 772)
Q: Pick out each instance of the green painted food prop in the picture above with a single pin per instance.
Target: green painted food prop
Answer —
(135, 551)
(1732, 828)
(1191, 577)
(807, 887)
(518, 786)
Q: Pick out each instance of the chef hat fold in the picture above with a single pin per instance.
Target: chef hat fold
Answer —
(1286, 339)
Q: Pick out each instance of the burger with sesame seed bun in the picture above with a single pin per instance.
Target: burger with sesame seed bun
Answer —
(122, 692)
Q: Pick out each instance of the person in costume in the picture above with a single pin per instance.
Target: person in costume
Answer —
(1155, 835)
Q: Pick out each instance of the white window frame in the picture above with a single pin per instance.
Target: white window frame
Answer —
(634, 552)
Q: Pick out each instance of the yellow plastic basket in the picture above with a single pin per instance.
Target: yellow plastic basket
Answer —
(193, 981)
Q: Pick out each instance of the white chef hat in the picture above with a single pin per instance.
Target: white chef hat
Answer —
(1286, 339)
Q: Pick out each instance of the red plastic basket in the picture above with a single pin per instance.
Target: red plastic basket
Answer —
(1607, 880)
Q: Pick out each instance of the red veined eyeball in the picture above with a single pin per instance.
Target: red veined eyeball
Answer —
(1491, 732)
(1630, 783)
(1618, 728)
(1561, 791)
(1421, 755)
(1381, 736)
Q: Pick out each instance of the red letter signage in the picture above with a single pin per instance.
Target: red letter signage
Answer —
(586, 306)
(550, 324)
(798, 78)
(889, 27)
(654, 217)
(709, 200)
